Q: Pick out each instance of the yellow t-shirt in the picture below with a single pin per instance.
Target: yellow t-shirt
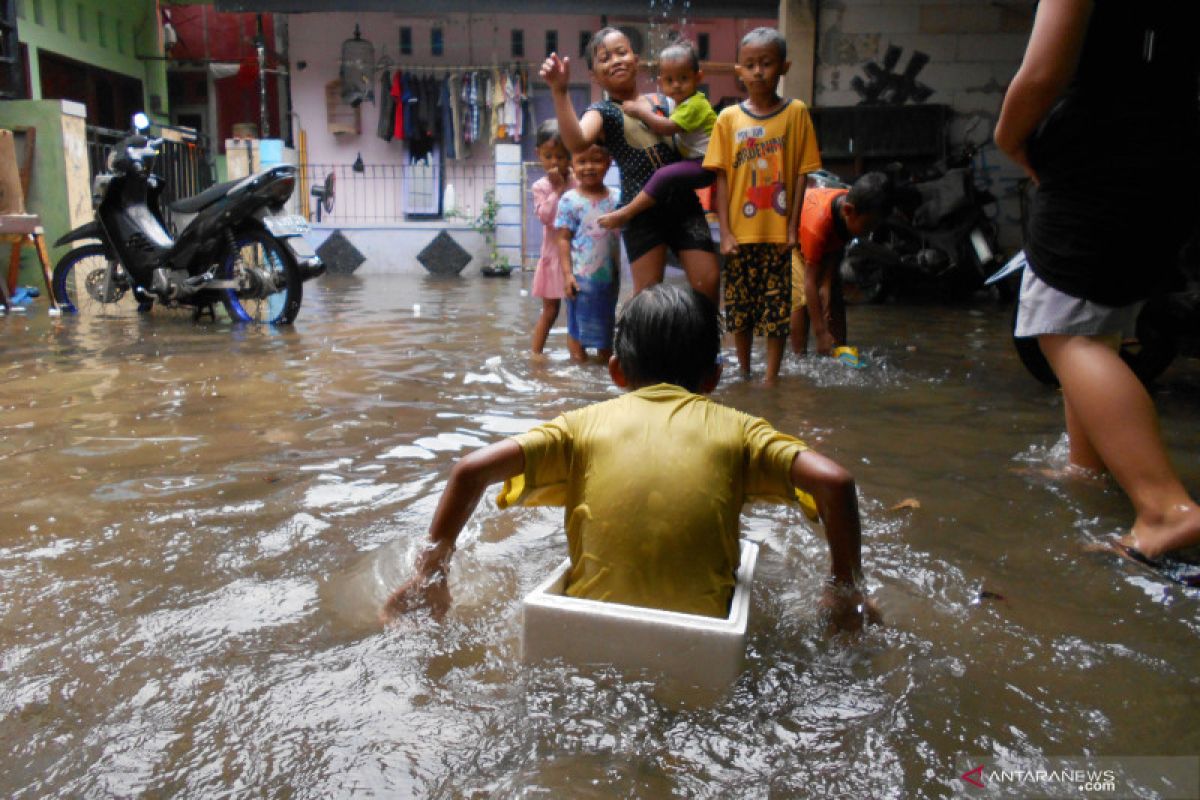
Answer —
(653, 484)
(762, 158)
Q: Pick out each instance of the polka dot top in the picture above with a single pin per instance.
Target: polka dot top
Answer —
(637, 150)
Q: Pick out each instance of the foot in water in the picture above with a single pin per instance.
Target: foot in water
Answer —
(1178, 528)
(1182, 567)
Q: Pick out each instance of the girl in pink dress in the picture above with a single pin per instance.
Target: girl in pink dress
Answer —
(548, 280)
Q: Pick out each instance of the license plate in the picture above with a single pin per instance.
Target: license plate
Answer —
(287, 226)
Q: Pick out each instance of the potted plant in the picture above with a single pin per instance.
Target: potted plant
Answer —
(496, 265)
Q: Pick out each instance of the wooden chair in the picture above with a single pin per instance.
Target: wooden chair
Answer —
(20, 229)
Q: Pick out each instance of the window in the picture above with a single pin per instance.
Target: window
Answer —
(119, 36)
(37, 12)
(60, 13)
(435, 41)
(551, 42)
(702, 46)
(406, 41)
(585, 38)
(518, 43)
(100, 35)
(81, 18)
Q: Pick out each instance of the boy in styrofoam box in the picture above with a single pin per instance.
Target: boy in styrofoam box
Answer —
(653, 482)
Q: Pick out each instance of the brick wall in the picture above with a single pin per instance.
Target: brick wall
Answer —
(974, 48)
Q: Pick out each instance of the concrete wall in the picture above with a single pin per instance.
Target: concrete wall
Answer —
(974, 47)
(112, 36)
(59, 188)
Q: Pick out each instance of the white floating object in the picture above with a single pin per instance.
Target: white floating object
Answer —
(416, 309)
(54, 312)
(524, 293)
(700, 651)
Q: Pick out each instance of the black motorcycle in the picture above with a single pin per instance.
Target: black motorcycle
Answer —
(939, 240)
(238, 249)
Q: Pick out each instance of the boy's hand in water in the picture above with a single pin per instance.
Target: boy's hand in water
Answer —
(556, 72)
(420, 592)
(848, 609)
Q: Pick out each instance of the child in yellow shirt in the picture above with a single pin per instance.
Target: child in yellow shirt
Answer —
(653, 482)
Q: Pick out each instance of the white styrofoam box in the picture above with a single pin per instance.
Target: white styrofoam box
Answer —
(696, 650)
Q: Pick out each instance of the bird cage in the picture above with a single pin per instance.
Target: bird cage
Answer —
(358, 66)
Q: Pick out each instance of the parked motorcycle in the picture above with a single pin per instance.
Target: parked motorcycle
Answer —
(939, 239)
(1168, 324)
(238, 249)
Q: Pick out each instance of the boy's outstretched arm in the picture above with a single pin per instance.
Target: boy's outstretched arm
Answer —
(816, 276)
(470, 477)
(577, 134)
(837, 502)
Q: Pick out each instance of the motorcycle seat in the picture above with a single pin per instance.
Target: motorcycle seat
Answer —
(193, 204)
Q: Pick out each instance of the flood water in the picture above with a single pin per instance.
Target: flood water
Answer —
(199, 522)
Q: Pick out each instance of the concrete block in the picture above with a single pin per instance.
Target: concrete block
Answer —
(881, 19)
(698, 651)
(1006, 47)
(970, 17)
(510, 194)
(508, 174)
(508, 154)
(508, 215)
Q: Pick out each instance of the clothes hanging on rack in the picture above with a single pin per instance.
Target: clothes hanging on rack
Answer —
(386, 128)
(447, 121)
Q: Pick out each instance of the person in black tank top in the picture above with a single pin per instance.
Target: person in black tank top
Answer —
(679, 223)
(1108, 82)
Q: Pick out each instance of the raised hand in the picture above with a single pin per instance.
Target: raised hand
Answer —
(556, 72)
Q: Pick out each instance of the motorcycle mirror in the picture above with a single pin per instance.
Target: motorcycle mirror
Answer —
(141, 122)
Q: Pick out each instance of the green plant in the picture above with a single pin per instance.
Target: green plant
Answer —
(485, 223)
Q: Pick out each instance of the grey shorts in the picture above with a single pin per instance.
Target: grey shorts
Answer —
(1046, 310)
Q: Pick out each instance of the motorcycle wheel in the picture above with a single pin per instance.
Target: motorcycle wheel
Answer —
(71, 278)
(1148, 356)
(256, 248)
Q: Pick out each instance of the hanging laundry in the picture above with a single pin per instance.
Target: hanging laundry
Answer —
(387, 108)
(453, 88)
(496, 106)
(444, 105)
(397, 93)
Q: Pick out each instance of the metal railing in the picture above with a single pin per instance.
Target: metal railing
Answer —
(386, 194)
(183, 161)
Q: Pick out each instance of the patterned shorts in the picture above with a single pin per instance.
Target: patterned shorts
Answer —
(758, 290)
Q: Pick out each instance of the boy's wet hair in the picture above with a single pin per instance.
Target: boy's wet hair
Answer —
(765, 36)
(547, 132)
(668, 334)
(871, 194)
(598, 145)
(680, 50)
(597, 41)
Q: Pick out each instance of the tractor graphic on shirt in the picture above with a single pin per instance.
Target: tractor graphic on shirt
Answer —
(766, 189)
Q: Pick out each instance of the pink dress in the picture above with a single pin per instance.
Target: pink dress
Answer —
(548, 279)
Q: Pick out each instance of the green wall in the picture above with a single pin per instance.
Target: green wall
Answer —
(48, 185)
(112, 36)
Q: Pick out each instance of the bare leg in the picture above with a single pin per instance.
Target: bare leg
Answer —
(1111, 408)
(603, 355)
(836, 303)
(620, 218)
(799, 333)
(648, 269)
(742, 342)
(703, 272)
(577, 350)
(545, 322)
(774, 359)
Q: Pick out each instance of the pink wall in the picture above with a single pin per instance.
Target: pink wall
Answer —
(469, 40)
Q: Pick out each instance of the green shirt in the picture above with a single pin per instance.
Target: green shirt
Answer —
(696, 116)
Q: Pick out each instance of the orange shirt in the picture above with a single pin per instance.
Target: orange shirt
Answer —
(819, 234)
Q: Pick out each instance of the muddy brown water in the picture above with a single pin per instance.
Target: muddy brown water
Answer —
(198, 523)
